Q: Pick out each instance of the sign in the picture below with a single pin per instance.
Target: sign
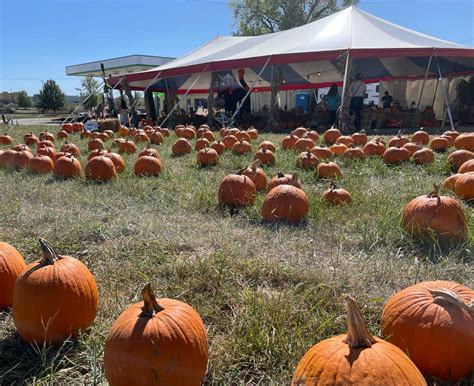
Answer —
(91, 125)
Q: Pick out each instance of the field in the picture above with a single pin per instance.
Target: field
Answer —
(266, 293)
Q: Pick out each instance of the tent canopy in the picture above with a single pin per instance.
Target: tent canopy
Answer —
(306, 56)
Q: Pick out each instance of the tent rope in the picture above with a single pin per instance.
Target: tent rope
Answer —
(154, 80)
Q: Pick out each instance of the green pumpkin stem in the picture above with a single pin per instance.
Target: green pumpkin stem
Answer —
(49, 254)
(447, 296)
(358, 336)
(150, 305)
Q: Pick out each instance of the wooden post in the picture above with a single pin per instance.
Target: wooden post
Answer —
(276, 83)
(170, 102)
(131, 102)
(210, 102)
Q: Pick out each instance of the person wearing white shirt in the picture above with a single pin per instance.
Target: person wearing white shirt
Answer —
(357, 93)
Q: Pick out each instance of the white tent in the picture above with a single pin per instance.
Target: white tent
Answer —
(307, 56)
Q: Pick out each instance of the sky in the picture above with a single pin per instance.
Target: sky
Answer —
(39, 38)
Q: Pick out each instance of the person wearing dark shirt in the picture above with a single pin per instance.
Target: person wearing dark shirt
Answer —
(387, 100)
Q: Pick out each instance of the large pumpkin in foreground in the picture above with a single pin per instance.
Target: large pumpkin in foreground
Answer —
(54, 298)
(356, 358)
(432, 213)
(11, 266)
(285, 203)
(156, 342)
(236, 191)
(433, 322)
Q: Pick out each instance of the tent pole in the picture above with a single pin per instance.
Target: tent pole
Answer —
(343, 116)
(445, 96)
(210, 102)
(421, 91)
(435, 92)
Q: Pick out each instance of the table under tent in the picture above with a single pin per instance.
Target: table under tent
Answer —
(330, 50)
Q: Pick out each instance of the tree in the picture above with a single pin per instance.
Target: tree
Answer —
(257, 17)
(51, 97)
(24, 100)
(91, 96)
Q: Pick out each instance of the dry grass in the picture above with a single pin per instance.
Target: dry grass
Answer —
(266, 293)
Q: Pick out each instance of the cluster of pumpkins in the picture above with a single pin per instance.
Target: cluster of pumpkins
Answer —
(428, 326)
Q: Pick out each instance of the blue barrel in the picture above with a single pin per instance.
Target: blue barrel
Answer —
(302, 101)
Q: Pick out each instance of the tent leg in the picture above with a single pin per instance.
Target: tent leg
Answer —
(210, 102)
(131, 102)
(445, 95)
(344, 108)
(422, 89)
(273, 114)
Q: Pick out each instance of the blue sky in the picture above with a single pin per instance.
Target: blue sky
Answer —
(38, 38)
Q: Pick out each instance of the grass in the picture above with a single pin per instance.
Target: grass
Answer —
(266, 293)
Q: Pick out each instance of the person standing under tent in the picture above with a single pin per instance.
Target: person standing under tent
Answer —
(357, 94)
(387, 100)
(333, 101)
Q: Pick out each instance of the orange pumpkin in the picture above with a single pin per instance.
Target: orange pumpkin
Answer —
(304, 143)
(156, 138)
(465, 141)
(433, 322)
(449, 182)
(229, 141)
(7, 159)
(345, 140)
(374, 148)
(356, 358)
(331, 135)
(412, 147)
(100, 168)
(285, 203)
(181, 147)
(338, 148)
(451, 133)
(467, 167)
(218, 146)
(256, 174)
(241, 147)
(127, 147)
(267, 145)
(354, 153)
(328, 170)
(299, 132)
(236, 191)
(337, 196)
(148, 166)
(32, 140)
(464, 186)
(423, 156)
(117, 160)
(201, 143)
(22, 159)
(307, 160)
(5, 139)
(265, 156)
(149, 151)
(395, 155)
(243, 136)
(253, 132)
(458, 157)
(420, 136)
(321, 152)
(95, 144)
(156, 341)
(289, 141)
(434, 214)
(439, 144)
(359, 138)
(398, 141)
(54, 298)
(207, 157)
(41, 164)
(12, 265)
(284, 179)
(70, 148)
(67, 167)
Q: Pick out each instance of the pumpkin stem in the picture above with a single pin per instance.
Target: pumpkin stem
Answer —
(435, 193)
(150, 305)
(294, 179)
(357, 334)
(49, 254)
(280, 175)
(255, 164)
(333, 186)
(448, 296)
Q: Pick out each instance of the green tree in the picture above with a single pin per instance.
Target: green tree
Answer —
(257, 17)
(51, 97)
(24, 100)
(91, 96)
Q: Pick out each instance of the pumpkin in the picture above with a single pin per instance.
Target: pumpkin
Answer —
(236, 191)
(32, 140)
(289, 141)
(439, 144)
(284, 179)
(354, 153)
(100, 168)
(256, 174)
(267, 145)
(345, 140)
(77, 127)
(304, 143)
(337, 196)
(7, 158)
(207, 157)
(47, 151)
(149, 151)
(331, 135)
(21, 147)
(433, 322)
(321, 152)
(62, 134)
(449, 139)
(265, 156)
(95, 144)
(70, 148)
(45, 143)
(458, 157)
(201, 143)
(110, 134)
(12, 265)
(123, 131)
(95, 153)
(41, 164)
(22, 159)
(181, 147)
(253, 132)
(243, 136)
(117, 160)
(374, 148)
(467, 166)
(338, 148)
(46, 136)
(54, 298)
(85, 134)
(285, 203)
(449, 182)
(156, 341)
(464, 186)
(412, 147)
(328, 170)
(420, 136)
(451, 133)
(165, 132)
(299, 132)
(218, 146)
(356, 358)
(148, 166)
(141, 136)
(307, 160)
(241, 147)
(5, 139)
(127, 147)
(187, 132)
(465, 141)
(67, 127)
(359, 138)
(395, 155)
(398, 141)
(432, 213)
(311, 134)
(156, 138)
(67, 167)
(229, 141)
(423, 156)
